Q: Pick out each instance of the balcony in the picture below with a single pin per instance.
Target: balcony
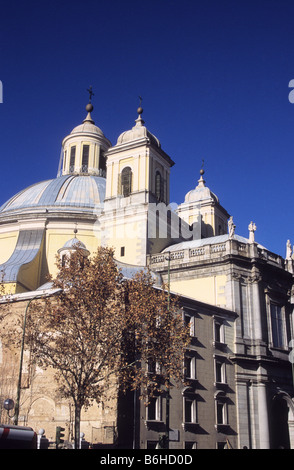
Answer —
(210, 249)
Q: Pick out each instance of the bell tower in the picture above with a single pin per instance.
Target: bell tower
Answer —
(137, 167)
(138, 173)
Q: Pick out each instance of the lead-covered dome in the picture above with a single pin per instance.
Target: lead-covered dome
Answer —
(68, 192)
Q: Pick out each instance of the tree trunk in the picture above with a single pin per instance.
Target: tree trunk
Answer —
(77, 425)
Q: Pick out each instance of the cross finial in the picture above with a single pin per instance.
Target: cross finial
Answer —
(202, 170)
(140, 109)
(90, 93)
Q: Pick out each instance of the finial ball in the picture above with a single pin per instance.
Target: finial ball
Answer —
(89, 107)
(140, 110)
(202, 171)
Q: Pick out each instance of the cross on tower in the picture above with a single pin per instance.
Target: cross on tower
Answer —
(90, 93)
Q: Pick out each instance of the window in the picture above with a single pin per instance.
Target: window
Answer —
(190, 322)
(277, 324)
(85, 158)
(154, 409)
(72, 159)
(221, 414)
(159, 187)
(153, 367)
(190, 410)
(126, 181)
(122, 251)
(220, 371)
(220, 230)
(218, 332)
(190, 367)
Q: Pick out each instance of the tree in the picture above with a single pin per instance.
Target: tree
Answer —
(79, 332)
(103, 329)
(155, 338)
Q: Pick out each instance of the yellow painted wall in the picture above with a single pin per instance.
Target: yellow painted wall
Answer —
(132, 236)
(55, 239)
(8, 244)
(10, 288)
(205, 289)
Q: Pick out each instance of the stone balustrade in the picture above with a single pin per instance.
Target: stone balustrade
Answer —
(212, 251)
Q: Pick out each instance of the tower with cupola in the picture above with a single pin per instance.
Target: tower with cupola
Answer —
(203, 210)
(84, 149)
(137, 189)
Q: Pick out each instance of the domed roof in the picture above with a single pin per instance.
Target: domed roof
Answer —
(74, 242)
(87, 127)
(201, 192)
(139, 131)
(68, 192)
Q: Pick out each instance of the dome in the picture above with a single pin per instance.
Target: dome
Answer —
(73, 243)
(200, 193)
(87, 127)
(68, 192)
(139, 131)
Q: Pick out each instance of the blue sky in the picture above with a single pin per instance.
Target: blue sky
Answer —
(213, 75)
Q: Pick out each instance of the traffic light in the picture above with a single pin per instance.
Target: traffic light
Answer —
(59, 435)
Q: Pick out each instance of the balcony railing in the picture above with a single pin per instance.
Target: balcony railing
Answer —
(230, 247)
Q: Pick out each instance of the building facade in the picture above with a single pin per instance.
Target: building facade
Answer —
(239, 294)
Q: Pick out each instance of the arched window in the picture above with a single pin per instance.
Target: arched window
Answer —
(126, 181)
(159, 187)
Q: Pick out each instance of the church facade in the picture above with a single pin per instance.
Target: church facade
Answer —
(237, 294)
